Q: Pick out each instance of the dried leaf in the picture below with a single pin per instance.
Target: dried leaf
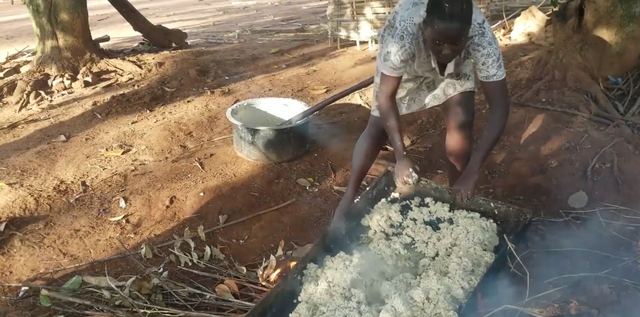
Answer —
(102, 281)
(3, 185)
(224, 291)
(280, 249)
(242, 269)
(183, 258)
(232, 286)
(217, 253)
(207, 254)
(169, 89)
(300, 252)
(44, 299)
(271, 267)
(223, 218)
(146, 251)
(113, 153)
(274, 50)
(73, 284)
(187, 233)
(118, 218)
(317, 91)
(172, 257)
(122, 203)
(2, 225)
(191, 243)
(578, 200)
(60, 138)
(201, 233)
(194, 256)
(303, 182)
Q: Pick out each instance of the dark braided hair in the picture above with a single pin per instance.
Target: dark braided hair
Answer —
(453, 12)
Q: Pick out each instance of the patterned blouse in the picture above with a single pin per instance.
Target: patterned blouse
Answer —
(402, 53)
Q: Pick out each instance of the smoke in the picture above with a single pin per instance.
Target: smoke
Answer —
(584, 263)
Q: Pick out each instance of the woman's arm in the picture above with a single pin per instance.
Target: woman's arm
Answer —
(389, 113)
(498, 99)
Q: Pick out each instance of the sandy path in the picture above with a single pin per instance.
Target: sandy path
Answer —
(201, 19)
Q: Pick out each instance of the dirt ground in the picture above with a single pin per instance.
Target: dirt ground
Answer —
(179, 168)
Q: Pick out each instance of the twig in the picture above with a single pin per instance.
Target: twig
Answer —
(593, 275)
(512, 248)
(595, 159)
(333, 174)
(122, 255)
(566, 111)
(616, 171)
(64, 297)
(13, 56)
(493, 27)
(573, 249)
(223, 278)
(530, 312)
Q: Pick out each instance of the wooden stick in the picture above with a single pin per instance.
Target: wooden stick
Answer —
(81, 302)
(321, 105)
(122, 255)
(565, 111)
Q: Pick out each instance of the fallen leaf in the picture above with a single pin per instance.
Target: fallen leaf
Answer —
(3, 185)
(217, 253)
(73, 284)
(60, 138)
(122, 203)
(280, 249)
(102, 281)
(207, 254)
(317, 91)
(274, 50)
(271, 267)
(118, 218)
(145, 251)
(201, 233)
(301, 251)
(223, 218)
(303, 182)
(578, 200)
(242, 269)
(2, 225)
(169, 89)
(232, 286)
(113, 153)
(44, 299)
(224, 291)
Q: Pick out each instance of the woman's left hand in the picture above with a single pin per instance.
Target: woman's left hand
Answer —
(465, 185)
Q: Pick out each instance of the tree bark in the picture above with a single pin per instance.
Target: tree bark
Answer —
(63, 35)
(158, 35)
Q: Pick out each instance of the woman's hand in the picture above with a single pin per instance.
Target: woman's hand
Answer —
(465, 185)
(405, 172)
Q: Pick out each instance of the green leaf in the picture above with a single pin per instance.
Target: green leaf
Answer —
(73, 284)
(45, 301)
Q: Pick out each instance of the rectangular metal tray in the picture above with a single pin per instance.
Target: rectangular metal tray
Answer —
(512, 221)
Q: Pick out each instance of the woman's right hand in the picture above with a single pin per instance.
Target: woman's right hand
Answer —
(405, 172)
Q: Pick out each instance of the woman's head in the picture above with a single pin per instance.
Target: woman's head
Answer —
(446, 28)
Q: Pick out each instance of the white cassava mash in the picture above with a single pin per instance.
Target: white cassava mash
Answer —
(424, 262)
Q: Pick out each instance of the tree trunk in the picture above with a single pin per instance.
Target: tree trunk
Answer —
(63, 35)
(158, 35)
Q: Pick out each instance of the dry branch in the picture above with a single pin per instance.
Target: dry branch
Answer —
(158, 35)
(122, 255)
